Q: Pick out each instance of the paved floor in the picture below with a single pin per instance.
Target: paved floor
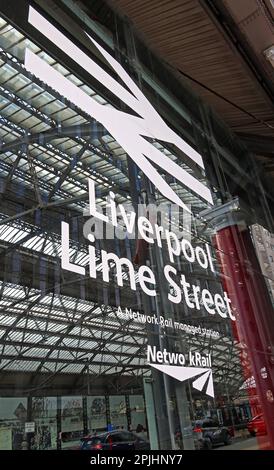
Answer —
(250, 443)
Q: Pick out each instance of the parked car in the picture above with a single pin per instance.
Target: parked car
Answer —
(114, 440)
(208, 432)
(256, 426)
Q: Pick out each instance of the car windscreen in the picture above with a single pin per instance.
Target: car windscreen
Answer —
(93, 439)
(205, 424)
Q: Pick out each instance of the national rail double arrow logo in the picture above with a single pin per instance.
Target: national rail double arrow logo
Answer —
(161, 360)
(136, 131)
(184, 373)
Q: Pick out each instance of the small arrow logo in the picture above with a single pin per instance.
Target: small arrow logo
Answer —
(184, 373)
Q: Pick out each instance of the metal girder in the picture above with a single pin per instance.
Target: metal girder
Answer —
(64, 334)
(73, 163)
(46, 144)
(77, 323)
(44, 347)
(9, 177)
(13, 62)
(67, 362)
(79, 130)
(57, 321)
(13, 98)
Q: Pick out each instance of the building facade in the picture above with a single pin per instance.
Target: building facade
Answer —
(131, 291)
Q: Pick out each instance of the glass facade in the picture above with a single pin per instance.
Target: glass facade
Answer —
(136, 247)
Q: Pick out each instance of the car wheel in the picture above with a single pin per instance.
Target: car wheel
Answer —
(208, 444)
(252, 433)
(227, 439)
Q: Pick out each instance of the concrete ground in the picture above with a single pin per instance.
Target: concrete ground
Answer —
(250, 443)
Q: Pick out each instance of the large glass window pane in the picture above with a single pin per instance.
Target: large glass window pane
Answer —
(44, 414)
(137, 412)
(71, 420)
(118, 417)
(96, 409)
(13, 415)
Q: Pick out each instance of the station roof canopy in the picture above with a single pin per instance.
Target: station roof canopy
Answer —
(225, 50)
(53, 148)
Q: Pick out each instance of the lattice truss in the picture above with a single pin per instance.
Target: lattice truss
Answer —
(48, 149)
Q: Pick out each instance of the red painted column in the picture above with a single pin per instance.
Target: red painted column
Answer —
(254, 326)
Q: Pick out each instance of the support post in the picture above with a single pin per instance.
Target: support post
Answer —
(251, 305)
